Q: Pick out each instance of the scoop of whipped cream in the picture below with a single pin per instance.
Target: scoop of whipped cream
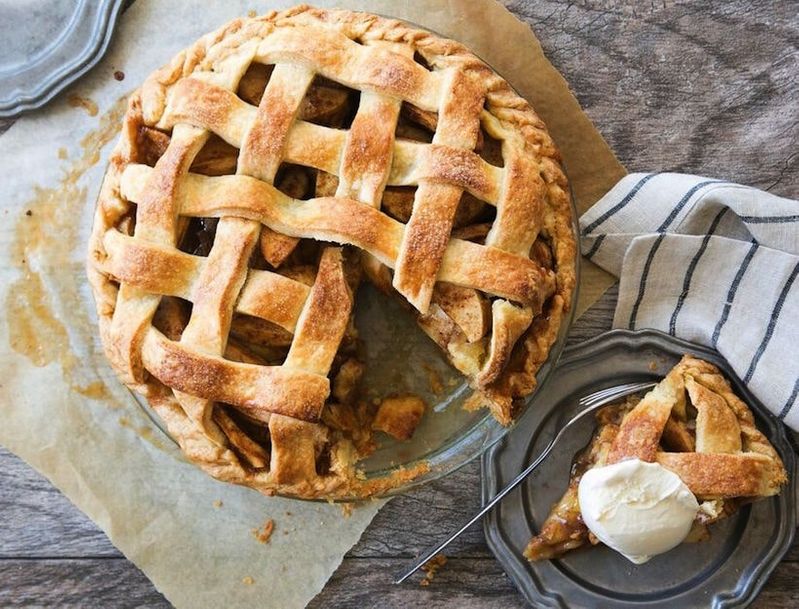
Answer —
(637, 508)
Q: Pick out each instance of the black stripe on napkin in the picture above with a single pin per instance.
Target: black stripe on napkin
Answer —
(775, 315)
(769, 219)
(733, 291)
(627, 198)
(791, 400)
(686, 286)
(682, 203)
(666, 223)
(595, 246)
(644, 275)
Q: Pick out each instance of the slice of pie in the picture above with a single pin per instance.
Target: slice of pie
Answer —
(692, 424)
(264, 173)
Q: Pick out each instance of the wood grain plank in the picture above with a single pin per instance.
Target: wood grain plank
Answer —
(38, 521)
(781, 590)
(463, 582)
(697, 87)
(471, 583)
(76, 584)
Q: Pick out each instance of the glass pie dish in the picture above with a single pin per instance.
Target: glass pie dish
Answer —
(496, 267)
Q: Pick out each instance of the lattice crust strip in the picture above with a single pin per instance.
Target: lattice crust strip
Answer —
(349, 222)
(144, 211)
(730, 456)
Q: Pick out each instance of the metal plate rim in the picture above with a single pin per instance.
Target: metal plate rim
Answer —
(62, 68)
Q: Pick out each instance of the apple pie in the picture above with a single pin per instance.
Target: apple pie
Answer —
(693, 425)
(268, 170)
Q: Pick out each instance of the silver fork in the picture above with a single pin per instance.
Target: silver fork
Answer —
(588, 404)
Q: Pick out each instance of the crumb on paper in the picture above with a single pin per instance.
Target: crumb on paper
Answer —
(119, 75)
(288, 513)
(62, 153)
(247, 580)
(346, 509)
(433, 380)
(217, 504)
(251, 13)
(76, 101)
(29, 213)
(431, 567)
(264, 533)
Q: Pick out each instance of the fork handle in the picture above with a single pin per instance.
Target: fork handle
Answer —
(486, 508)
(588, 408)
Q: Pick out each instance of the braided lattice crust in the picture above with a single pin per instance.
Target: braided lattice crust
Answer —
(258, 173)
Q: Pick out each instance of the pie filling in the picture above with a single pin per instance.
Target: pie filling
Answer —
(269, 171)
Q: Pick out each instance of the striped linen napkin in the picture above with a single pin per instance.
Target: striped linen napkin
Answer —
(711, 262)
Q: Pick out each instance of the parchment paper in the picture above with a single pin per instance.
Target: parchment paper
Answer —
(65, 413)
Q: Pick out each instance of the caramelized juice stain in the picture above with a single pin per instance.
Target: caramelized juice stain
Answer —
(96, 390)
(76, 101)
(33, 331)
(45, 238)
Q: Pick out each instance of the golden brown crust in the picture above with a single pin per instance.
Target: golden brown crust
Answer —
(721, 456)
(174, 160)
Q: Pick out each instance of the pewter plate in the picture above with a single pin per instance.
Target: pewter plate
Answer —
(49, 45)
(726, 571)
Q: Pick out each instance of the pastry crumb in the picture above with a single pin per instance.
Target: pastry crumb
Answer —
(119, 75)
(264, 533)
(247, 580)
(398, 416)
(346, 509)
(251, 13)
(653, 365)
(217, 504)
(431, 567)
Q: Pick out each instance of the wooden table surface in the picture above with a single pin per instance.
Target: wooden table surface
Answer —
(701, 87)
